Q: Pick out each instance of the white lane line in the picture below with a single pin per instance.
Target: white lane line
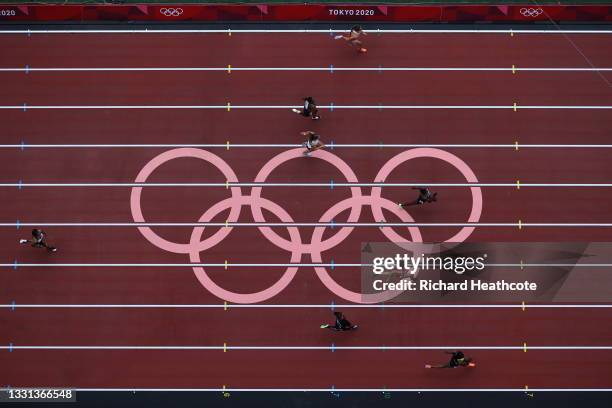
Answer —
(306, 224)
(300, 306)
(14, 347)
(332, 184)
(334, 390)
(306, 31)
(330, 107)
(16, 265)
(513, 146)
(30, 69)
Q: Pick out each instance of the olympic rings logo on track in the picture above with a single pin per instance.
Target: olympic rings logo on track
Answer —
(171, 11)
(531, 12)
(294, 245)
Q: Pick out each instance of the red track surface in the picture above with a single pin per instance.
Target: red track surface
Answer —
(295, 369)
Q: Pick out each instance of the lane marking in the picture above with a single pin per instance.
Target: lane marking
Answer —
(515, 145)
(331, 107)
(310, 31)
(333, 224)
(20, 184)
(225, 347)
(331, 68)
(331, 265)
(226, 306)
(377, 390)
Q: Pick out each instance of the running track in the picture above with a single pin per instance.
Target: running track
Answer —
(474, 327)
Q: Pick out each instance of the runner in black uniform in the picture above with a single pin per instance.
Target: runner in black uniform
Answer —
(312, 143)
(458, 359)
(341, 324)
(310, 109)
(39, 240)
(425, 196)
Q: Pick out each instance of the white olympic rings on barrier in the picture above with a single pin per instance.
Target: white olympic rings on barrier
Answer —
(171, 11)
(531, 12)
